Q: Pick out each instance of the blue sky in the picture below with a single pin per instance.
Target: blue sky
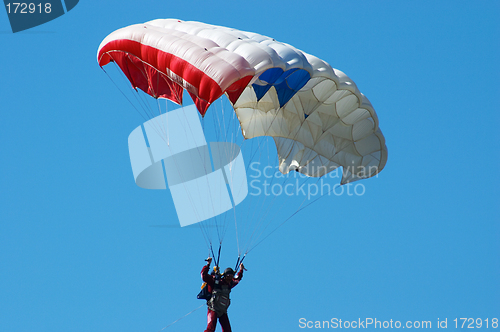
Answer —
(77, 249)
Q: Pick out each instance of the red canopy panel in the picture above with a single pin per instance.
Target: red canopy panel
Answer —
(162, 74)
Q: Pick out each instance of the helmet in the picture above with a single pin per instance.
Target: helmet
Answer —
(229, 271)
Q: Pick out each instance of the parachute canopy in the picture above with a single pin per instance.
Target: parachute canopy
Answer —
(316, 115)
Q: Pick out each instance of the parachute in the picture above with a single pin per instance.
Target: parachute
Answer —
(318, 119)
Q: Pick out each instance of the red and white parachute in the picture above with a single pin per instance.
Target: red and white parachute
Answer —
(316, 115)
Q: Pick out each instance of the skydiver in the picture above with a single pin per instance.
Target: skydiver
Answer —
(220, 287)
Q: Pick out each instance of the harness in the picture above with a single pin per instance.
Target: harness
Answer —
(220, 301)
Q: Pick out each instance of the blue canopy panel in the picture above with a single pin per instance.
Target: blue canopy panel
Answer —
(268, 77)
(287, 83)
